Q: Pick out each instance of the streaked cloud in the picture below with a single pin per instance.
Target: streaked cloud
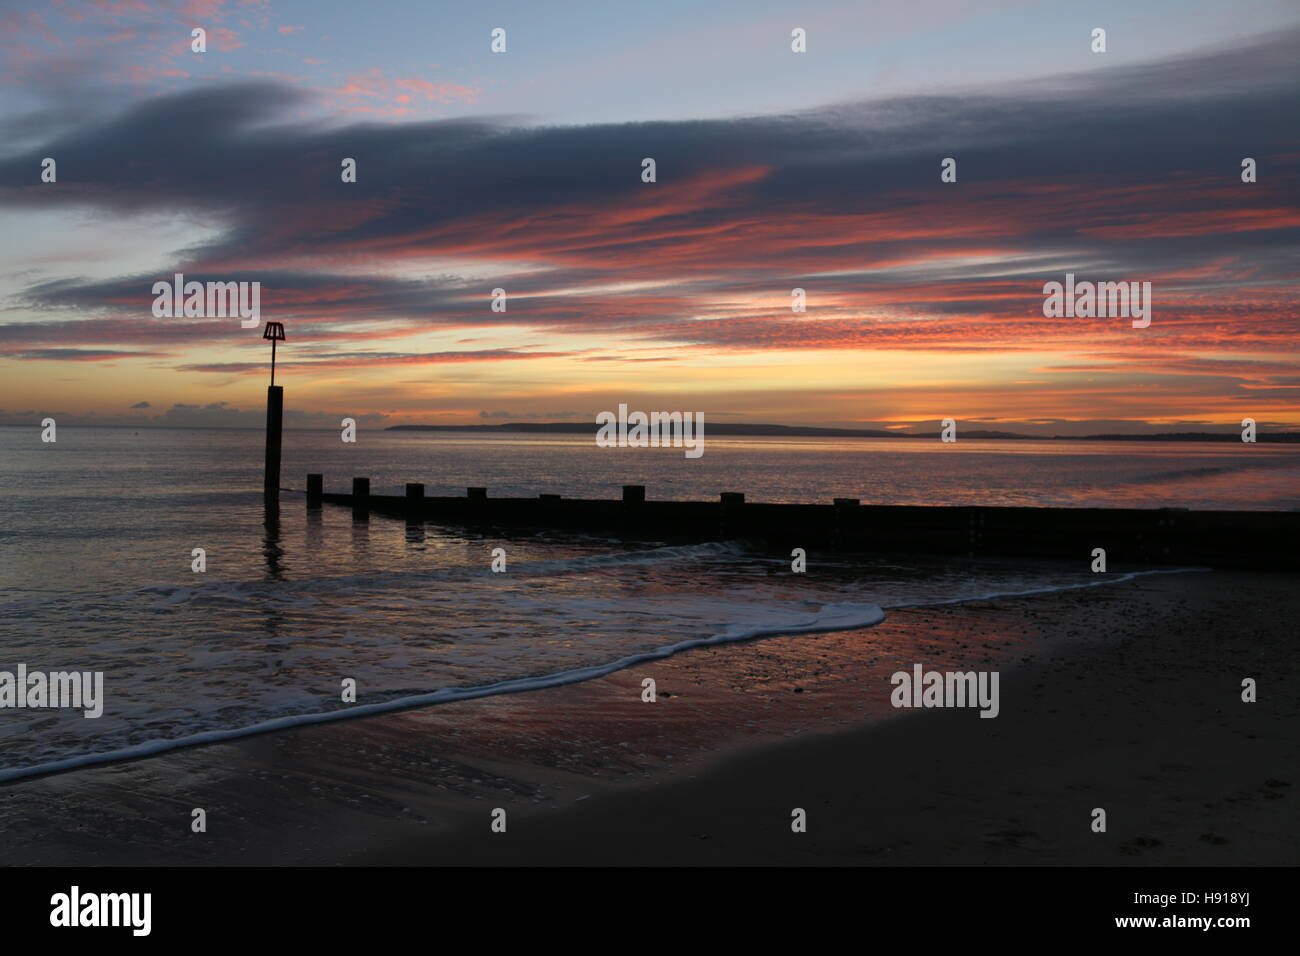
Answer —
(1124, 173)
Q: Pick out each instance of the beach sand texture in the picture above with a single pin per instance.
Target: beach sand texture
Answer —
(1125, 697)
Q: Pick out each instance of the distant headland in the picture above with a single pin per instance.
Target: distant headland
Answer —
(810, 431)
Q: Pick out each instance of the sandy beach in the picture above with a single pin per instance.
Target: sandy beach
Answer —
(1125, 697)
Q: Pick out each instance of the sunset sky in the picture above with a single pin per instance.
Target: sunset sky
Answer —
(775, 170)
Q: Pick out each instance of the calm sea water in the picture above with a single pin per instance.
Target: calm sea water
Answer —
(97, 530)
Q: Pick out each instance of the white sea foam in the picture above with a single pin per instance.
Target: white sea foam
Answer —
(752, 620)
(291, 603)
(1031, 592)
(831, 618)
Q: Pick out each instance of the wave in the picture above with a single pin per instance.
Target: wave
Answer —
(1209, 471)
(830, 617)
(165, 595)
(1034, 592)
(1181, 474)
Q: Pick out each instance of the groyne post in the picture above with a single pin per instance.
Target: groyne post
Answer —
(414, 496)
(361, 498)
(632, 512)
(845, 511)
(414, 512)
(274, 331)
(315, 488)
(731, 503)
(274, 427)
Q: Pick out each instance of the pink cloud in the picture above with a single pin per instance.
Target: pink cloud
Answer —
(203, 9)
(227, 40)
(442, 92)
(373, 83)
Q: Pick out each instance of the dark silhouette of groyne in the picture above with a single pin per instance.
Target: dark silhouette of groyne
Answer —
(1264, 540)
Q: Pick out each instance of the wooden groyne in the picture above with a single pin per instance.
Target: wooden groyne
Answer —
(1264, 540)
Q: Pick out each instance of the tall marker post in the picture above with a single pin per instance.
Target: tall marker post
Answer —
(274, 418)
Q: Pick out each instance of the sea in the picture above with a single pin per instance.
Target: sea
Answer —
(99, 531)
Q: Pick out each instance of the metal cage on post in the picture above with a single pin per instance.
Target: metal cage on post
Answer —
(274, 417)
(275, 332)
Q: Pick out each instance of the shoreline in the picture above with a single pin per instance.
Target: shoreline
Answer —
(521, 685)
(588, 773)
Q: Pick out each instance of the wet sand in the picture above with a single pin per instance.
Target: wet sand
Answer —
(1125, 697)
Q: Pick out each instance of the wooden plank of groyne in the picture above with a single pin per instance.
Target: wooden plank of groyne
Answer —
(1130, 536)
